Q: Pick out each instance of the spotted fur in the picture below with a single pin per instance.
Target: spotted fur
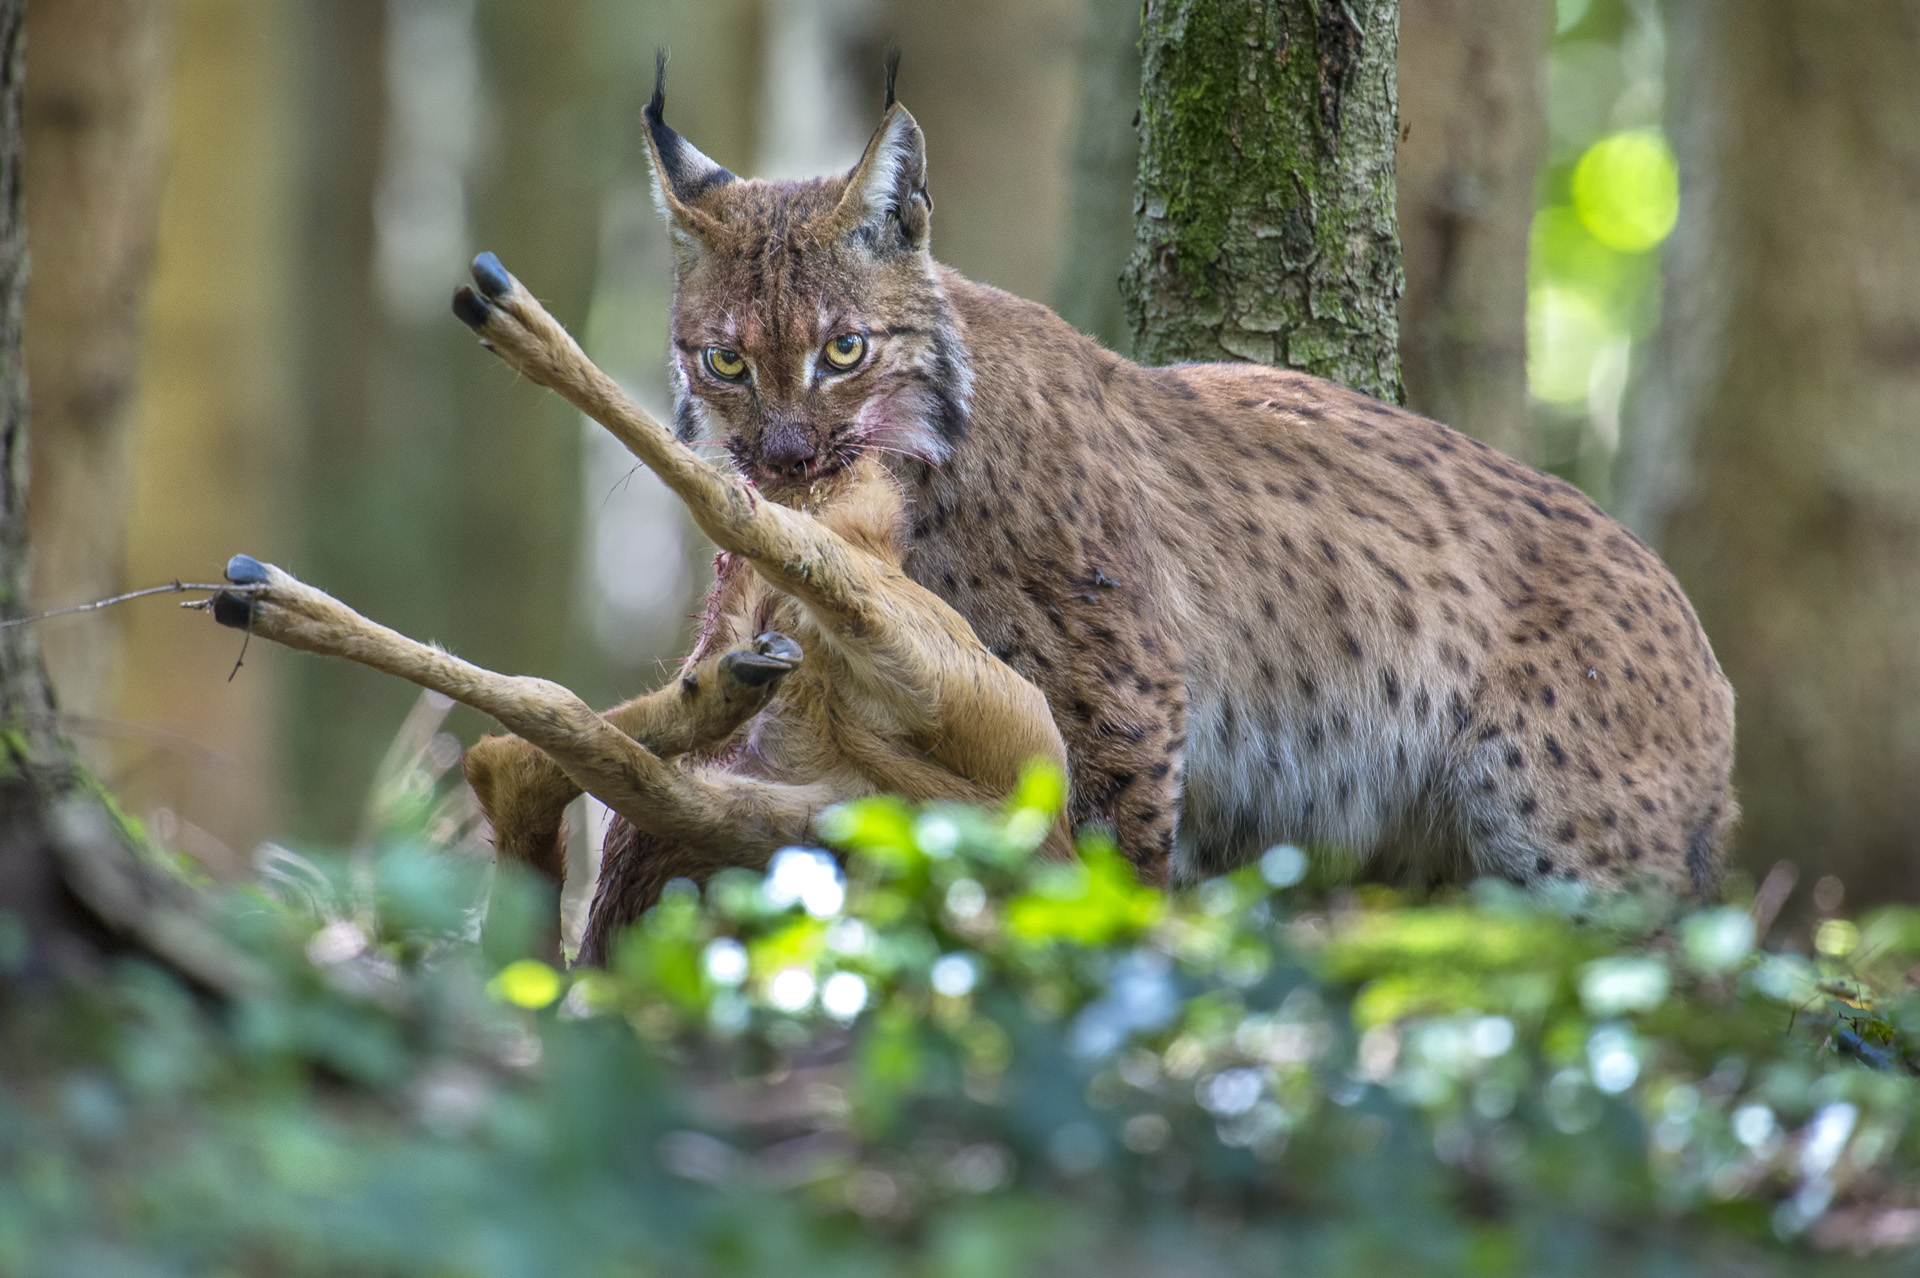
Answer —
(1262, 607)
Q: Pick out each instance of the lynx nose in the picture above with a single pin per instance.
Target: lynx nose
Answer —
(787, 449)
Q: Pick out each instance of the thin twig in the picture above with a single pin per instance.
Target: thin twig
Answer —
(246, 638)
(171, 588)
(250, 592)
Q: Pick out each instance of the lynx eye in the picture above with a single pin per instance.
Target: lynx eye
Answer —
(724, 364)
(846, 350)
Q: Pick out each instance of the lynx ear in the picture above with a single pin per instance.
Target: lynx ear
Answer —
(886, 201)
(681, 174)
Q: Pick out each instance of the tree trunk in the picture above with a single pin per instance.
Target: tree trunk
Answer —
(992, 83)
(1473, 130)
(37, 773)
(26, 707)
(1106, 158)
(1779, 460)
(211, 451)
(440, 495)
(71, 887)
(364, 533)
(1265, 228)
(517, 455)
(93, 126)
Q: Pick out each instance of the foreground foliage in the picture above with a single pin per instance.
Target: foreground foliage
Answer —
(949, 1059)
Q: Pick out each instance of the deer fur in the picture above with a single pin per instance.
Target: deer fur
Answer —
(886, 689)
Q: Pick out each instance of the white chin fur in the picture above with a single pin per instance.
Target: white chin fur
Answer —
(706, 427)
(898, 424)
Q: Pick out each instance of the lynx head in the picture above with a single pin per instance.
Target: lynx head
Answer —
(808, 326)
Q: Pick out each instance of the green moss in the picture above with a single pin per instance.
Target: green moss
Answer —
(1267, 189)
(17, 751)
(1230, 147)
(131, 828)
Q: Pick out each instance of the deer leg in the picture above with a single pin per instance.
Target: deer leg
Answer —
(792, 550)
(738, 817)
(524, 792)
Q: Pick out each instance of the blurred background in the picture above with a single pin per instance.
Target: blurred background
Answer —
(249, 347)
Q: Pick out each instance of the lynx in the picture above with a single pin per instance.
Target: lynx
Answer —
(1262, 607)
(886, 687)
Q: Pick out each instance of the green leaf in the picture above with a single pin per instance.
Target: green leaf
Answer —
(1097, 901)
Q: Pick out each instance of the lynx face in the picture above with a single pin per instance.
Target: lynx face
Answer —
(1262, 608)
(808, 329)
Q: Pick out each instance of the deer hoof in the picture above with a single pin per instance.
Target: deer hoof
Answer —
(470, 308)
(232, 610)
(491, 276)
(245, 570)
(774, 644)
(772, 656)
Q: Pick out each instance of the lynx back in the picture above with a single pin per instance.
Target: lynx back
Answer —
(1262, 607)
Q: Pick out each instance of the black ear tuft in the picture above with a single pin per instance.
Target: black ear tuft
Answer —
(683, 171)
(893, 69)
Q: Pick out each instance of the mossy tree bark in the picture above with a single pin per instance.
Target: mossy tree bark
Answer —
(1777, 461)
(1472, 134)
(72, 885)
(33, 766)
(1265, 225)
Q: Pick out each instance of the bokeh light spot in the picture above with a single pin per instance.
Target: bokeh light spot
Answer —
(1565, 334)
(1626, 190)
(526, 983)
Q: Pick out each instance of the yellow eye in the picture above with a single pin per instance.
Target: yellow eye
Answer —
(724, 364)
(846, 350)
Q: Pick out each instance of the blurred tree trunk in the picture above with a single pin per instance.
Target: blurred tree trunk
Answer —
(72, 889)
(992, 83)
(1106, 160)
(537, 201)
(1265, 228)
(210, 450)
(1473, 129)
(442, 494)
(36, 771)
(93, 129)
(1779, 465)
(363, 535)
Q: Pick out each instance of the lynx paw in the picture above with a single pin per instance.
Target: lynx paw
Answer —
(772, 656)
